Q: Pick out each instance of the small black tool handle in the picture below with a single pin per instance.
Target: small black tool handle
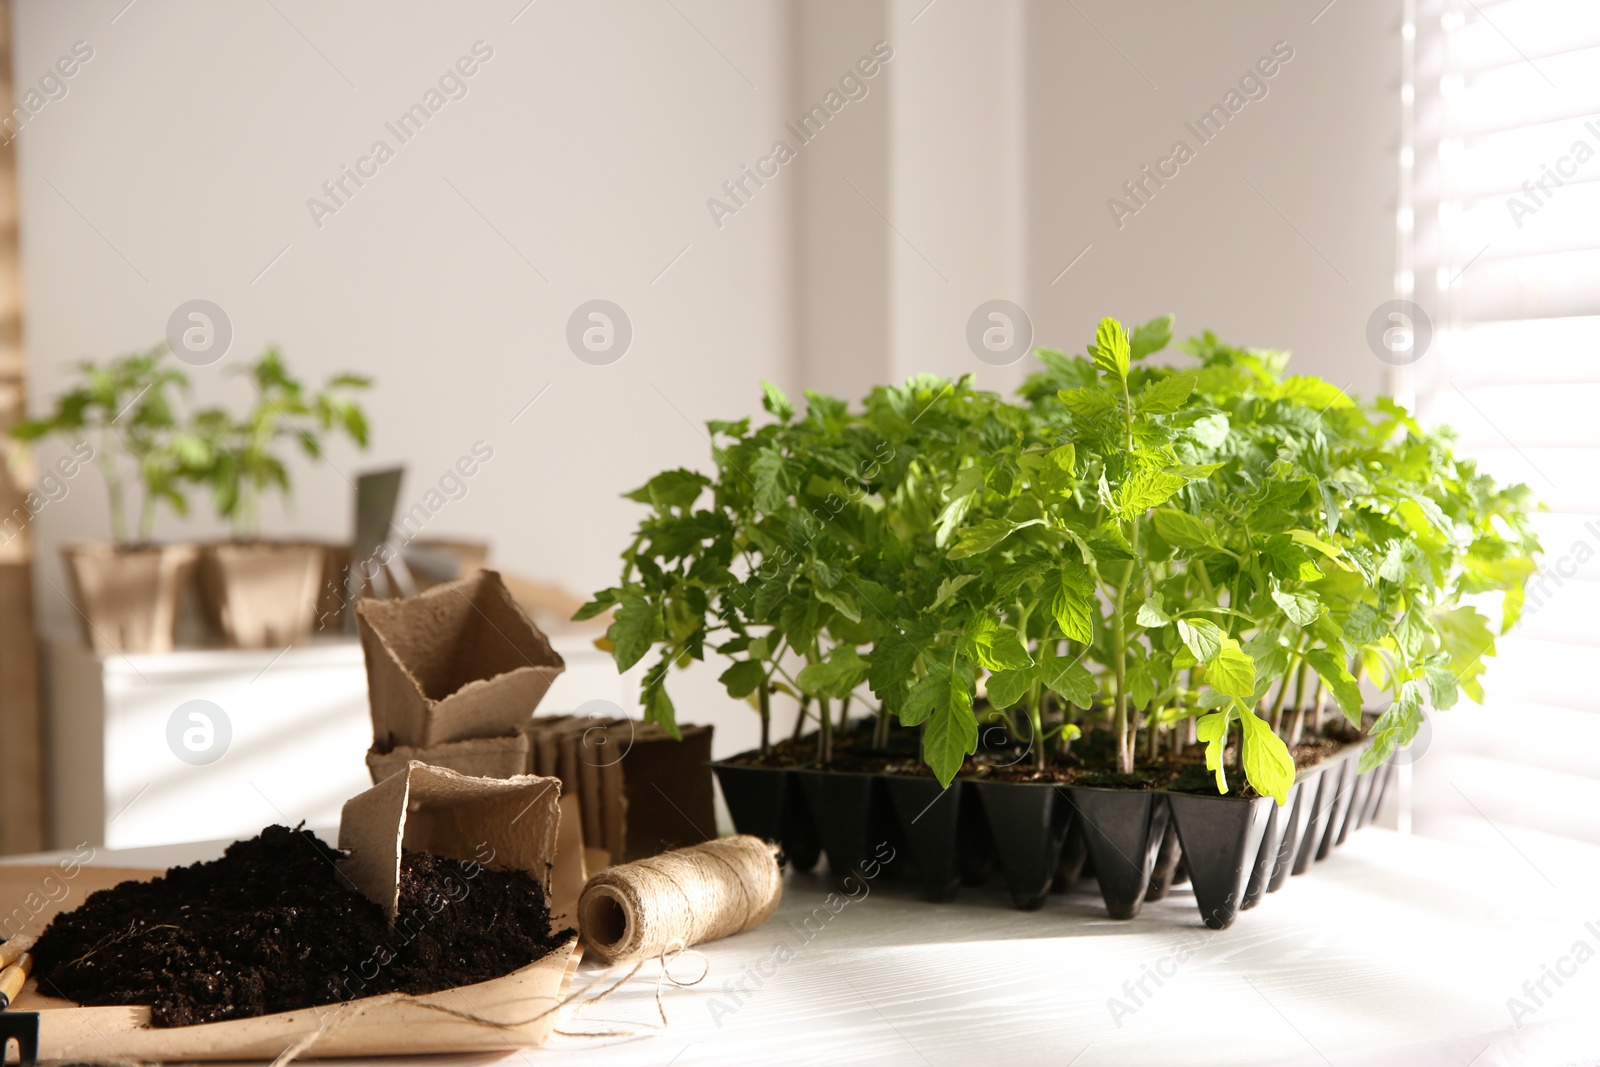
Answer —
(23, 1028)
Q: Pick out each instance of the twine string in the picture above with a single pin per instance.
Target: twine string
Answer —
(680, 899)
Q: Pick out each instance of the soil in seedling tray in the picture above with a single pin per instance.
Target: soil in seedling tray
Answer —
(272, 926)
(1013, 762)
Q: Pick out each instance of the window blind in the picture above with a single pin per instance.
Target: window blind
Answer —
(1499, 244)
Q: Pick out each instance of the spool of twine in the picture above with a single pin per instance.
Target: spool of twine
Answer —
(669, 902)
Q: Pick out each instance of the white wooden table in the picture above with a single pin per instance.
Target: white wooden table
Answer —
(1396, 950)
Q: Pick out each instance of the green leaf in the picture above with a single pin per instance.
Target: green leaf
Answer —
(1288, 561)
(844, 603)
(658, 707)
(995, 647)
(838, 676)
(1210, 430)
(1202, 637)
(1111, 350)
(1395, 727)
(985, 535)
(34, 429)
(951, 732)
(1312, 541)
(1395, 560)
(602, 601)
(671, 489)
(1086, 404)
(949, 587)
(894, 656)
(743, 678)
(1314, 392)
(1152, 615)
(1212, 729)
(774, 401)
(1362, 626)
(1071, 682)
(1058, 473)
(1064, 458)
(1411, 632)
(1007, 688)
(767, 471)
(1340, 682)
(1302, 608)
(1141, 686)
(1181, 529)
(818, 677)
(1270, 656)
(1195, 471)
(1444, 690)
(635, 628)
(1233, 672)
(1165, 396)
(925, 696)
(1423, 518)
(1144, 489)
(962, 494)
(1071, 608)
(1267, 763)
(1010, 578)
(1465, 636)
(1152, 336)
(800, 619)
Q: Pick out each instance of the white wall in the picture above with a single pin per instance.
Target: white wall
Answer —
(591, 139)
(1321, 148)
(180, 162)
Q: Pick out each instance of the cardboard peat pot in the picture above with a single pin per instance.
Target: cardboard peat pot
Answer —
(128, 595)
(668, 793)
(262, 594)
(643, 793)
(478, 757)
(459, 661)
(513, 821)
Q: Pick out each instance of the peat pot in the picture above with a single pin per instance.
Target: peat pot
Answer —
(261, 594)
(127, 596)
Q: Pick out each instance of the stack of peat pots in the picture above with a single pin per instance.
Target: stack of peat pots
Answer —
(453, 674)
(454, 677)
(1041, 836)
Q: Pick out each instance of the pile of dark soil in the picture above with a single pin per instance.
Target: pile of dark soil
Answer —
(273, 926)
